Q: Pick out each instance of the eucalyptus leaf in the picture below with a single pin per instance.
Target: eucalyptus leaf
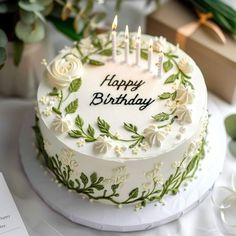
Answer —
(106, 52)
(230, 125)
(30, 6)
(27, 17)
(165, 95)
(3, 55)
(232, 147)
(3, 39)
(133, 193)
(30, 33)
(18, 51)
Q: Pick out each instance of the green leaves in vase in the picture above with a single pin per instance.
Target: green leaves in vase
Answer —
(230, 126)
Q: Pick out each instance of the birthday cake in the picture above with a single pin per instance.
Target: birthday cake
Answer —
(122, 118)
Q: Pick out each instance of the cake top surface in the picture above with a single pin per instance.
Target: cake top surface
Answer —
(126, 109)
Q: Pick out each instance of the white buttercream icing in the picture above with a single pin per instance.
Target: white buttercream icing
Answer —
(153, 135)
(102, 144)
(183, 114)
(61, 124)
(185, 66)
(184, 95)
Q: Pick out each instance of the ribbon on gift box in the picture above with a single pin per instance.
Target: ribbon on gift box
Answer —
(204, 20)
(226, 203)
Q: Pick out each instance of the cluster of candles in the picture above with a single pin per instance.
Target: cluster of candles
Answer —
(137, 48)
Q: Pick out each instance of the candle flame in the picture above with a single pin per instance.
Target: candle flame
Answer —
(126, 31)
(150, 44)
(139, 33)
(114, 24)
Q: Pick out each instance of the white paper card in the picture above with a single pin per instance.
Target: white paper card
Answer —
(11, 223)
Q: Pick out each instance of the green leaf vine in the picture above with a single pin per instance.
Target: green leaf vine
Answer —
(91, 185)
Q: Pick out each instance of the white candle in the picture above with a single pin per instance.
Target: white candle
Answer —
(150, 53)
(113, 35)
(138, 46)
(159, 65)
(126, 44)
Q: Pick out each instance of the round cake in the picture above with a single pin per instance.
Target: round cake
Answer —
(122, 124)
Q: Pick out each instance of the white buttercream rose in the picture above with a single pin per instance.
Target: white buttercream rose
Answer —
(63, 69)
(185, 66)
(153, 135)
(183, 114)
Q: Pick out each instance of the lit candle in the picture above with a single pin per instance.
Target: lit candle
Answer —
(126, 44)
(138, 46)
(113, 35)
(159, 65)
(150, 53)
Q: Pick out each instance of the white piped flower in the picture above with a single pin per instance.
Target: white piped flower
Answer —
(160, 44)
(184, 116)
(185, 66)
(81, 142)
(153, 135)
(103, 144)
(63, 69)
(119, 150)
(184, 95)
(44, 100)
(135, 150)
(47, 111)
(61, 124)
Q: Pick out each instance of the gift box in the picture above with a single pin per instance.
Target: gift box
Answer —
(217, 60)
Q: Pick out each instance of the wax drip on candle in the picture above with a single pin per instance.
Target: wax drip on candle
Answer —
(113, 27)
(150, 55)
(126, 44)
(138, 46)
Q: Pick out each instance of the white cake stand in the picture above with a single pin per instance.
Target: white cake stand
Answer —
(110, 218)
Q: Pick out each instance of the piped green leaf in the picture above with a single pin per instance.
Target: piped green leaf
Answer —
(161, 116)
(72, 107)
(133, 193)
(171, 79)
(75, 85)
(167, 65)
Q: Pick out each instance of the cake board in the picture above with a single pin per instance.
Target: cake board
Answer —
(110, 218)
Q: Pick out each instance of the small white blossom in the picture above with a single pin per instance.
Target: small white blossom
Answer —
(135, 150)
(81, 142)
(144, 146)
(47, 111)
(119, 150)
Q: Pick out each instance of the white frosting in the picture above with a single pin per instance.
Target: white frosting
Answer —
(61, 124)
(184, 115)
(63, 69)
(154, 136)
(184, 96)
(185, 66)
(102, 144)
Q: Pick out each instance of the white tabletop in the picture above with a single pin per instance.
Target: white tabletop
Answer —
(41, 220)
